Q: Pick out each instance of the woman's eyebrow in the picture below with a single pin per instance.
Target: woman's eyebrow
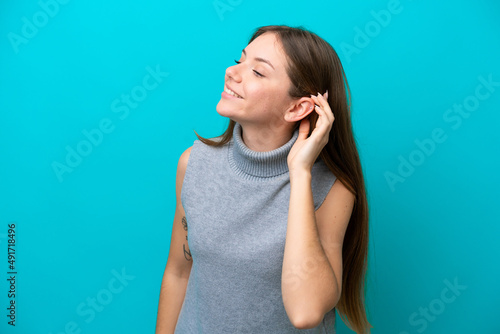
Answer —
(260, 59)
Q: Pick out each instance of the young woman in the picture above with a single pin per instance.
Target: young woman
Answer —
(270, 233)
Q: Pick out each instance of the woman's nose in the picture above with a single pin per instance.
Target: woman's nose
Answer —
(233, 72)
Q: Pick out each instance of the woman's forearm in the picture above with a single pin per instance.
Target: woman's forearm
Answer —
(172, 293)
(308, 280)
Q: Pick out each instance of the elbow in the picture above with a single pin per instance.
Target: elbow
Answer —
(306, 320)
(309, 313)
(307, 317)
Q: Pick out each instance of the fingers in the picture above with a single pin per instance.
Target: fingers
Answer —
(318, 107)
(324, 107)
(304, 129)
(322, 102)
(325, 95)
(321, 111)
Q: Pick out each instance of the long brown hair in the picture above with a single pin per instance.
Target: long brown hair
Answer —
(314, 66)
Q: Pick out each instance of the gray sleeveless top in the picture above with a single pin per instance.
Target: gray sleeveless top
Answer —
(236, 203)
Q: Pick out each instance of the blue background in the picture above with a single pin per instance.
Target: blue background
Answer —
(111, 215)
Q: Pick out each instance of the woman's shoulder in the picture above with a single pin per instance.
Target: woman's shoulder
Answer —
(183, 161)
(199, 148)
(322, 181)
(209, 147)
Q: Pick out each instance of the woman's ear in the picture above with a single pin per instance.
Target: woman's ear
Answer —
(299, 110)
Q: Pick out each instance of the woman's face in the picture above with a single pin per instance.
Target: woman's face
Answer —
(260, 83)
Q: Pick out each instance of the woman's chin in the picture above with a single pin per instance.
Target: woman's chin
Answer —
(223, 110)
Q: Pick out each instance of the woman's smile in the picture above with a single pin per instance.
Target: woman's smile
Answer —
(231, 93)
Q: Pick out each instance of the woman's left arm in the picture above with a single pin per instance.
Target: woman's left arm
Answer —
(312, 264)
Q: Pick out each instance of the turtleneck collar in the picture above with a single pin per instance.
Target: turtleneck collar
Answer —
(253, 164)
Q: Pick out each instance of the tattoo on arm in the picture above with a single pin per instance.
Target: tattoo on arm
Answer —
(185, 248)
(187, 253)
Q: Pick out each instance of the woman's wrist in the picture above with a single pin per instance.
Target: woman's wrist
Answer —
(300, 173)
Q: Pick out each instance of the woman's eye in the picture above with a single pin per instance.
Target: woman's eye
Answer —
(257, 73)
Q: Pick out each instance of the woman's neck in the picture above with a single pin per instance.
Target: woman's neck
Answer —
(265, 138)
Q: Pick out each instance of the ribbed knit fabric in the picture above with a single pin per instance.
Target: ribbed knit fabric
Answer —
(236, 203)
(258, 166)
